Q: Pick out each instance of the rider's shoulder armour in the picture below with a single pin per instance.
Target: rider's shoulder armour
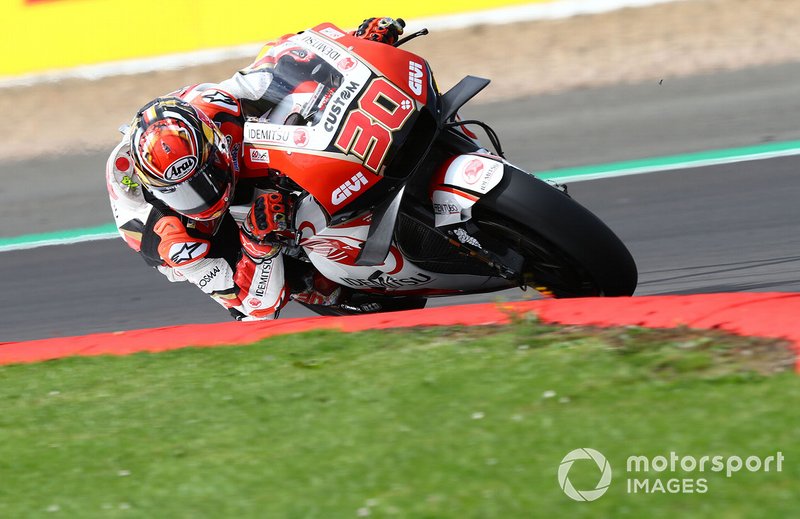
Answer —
(216, 103)
(128, 204)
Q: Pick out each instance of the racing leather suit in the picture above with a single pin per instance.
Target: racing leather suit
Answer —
(209, 255)
(212, 255)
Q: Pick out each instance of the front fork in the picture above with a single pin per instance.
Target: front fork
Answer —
(454, 189)
(460, 182)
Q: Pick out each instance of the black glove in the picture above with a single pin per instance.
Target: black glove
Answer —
(383, 30)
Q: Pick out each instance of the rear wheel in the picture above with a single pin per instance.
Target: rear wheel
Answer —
(567, 250)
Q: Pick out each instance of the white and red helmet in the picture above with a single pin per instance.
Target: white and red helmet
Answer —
(182, 158)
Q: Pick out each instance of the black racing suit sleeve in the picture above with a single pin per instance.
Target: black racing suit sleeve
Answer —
(224, 243)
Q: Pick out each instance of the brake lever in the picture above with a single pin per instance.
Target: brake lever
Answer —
(410, 37)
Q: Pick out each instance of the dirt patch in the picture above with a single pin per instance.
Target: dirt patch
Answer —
(522, 59)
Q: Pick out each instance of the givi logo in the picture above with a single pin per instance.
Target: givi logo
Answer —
(415, 77)
(345, 191)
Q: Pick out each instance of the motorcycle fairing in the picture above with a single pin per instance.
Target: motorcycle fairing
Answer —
(404, 69)
(381, 231)
(375, 95)
(356, 122)
(333, 250)
(318, 136)
(460, 183)
(445, 109)
(456, 97)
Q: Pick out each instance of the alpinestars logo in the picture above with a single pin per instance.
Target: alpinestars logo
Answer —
(415, 77)
(345, 191)
(220, 98)
(187, 252)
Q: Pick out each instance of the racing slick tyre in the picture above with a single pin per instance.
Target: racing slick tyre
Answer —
(567, 250)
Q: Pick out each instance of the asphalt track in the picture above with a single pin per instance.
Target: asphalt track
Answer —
(722, 228)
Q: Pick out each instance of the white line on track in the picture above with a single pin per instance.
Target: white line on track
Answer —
(656, 168)
(35, 244)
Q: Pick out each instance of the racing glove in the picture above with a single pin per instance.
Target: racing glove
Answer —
(383, 30)
(266, 217)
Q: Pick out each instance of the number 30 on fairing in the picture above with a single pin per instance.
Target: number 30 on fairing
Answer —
(367, 131)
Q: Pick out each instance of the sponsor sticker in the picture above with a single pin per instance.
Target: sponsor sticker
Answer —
(300, 137)
(272, 134)
(235, 155)
(488, 177)
(123, 163)
(472, 171)
(346, 64)
(263, 278)
(346, 190)
(221, 99)
(446, 208)
(261, 156)
(322, 48)
(343, 98)
(205, 280)
(331, 33)
(415, 77)
(383, 282)
(185, 252)
(129, 183)
(180, 169)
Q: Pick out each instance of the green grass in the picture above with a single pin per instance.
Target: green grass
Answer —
(422, 424)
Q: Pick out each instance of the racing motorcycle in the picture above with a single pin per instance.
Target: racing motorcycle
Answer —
(396, 200)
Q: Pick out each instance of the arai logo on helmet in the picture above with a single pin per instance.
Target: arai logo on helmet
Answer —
(181, 168)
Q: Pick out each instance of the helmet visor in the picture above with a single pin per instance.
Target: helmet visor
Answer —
(203, 195)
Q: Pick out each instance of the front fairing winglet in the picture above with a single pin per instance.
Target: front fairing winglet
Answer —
(381, 230)
(458, 96)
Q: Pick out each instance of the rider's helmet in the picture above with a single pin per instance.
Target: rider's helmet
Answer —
(182, 159)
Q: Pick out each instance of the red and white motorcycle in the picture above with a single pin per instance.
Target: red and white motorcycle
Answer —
(395, 198)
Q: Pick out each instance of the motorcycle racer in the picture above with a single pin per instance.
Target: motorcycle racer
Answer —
(179, 167)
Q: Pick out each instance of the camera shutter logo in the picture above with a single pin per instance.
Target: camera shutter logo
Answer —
(584, 454)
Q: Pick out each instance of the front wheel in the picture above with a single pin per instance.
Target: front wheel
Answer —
(567, 250)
